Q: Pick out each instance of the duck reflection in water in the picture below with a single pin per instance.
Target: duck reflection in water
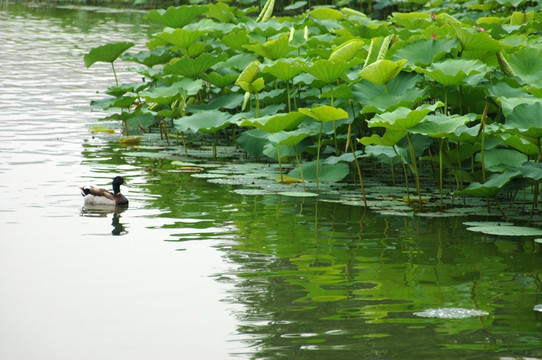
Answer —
(101, 211)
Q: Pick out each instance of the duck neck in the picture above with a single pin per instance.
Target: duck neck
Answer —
(116, 189)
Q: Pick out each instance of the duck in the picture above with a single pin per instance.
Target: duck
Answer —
(97, 196)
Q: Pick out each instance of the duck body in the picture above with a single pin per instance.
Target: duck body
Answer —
(97, 196)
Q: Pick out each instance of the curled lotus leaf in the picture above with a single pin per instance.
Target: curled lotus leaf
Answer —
(381, 72)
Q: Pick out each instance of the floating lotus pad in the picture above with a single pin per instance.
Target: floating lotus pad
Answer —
(297, 194)
(509, 230)
(487, 223)
(450, 313)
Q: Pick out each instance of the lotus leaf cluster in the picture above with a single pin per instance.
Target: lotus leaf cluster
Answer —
(449, 94)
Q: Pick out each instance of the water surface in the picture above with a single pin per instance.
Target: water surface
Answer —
(192, 270)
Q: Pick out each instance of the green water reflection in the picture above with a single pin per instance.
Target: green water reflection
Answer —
(322, 280)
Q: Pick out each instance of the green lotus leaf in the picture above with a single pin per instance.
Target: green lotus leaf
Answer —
(221, 12)
(276, 122)
(346, 51)
(190, 67)
(207, 121)
(441, 125)
(492, 187)
(390, 138)
(285, 69)
(403, 118)
(325, 113)
(457, 72)
(150, 58)
(327, 172)
(520, 143)
(237, 39)
(412, 20)
(165, 95)
(499, 160)
(253, 141)
(139, 119)
(509, 104)
(272, 49)
(289, 138)
(465, 134)
(478, 42)
(424, 52)
(326, 14)
(124, 101)
(401, 91)
(249, 73)
(526, 119)
(180, 37)
(219, 80)
(527, 65)
(532, 170)
(507, 230)
(381, 72)
(328, 71)
(106, 53)
(297, 194)
(176, 17)
(268, 28)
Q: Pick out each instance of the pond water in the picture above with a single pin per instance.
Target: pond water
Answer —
(193, 270)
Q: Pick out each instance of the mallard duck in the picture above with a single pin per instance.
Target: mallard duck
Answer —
(97, 196)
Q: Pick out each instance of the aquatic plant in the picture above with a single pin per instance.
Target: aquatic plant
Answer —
(333, 86)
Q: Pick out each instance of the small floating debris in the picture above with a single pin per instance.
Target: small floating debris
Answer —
(450, 313)
(130, 140)
(101, 129)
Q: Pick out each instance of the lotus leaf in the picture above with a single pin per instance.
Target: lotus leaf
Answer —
(207, 121)
(328, 71)
(507, 230)
(532, 170)
(381, 72)
(221, 12)
(165, 95)
(451, 72)
(412, 20)
(526, 119)
(219, 80)
(106, 53)
(297, 194)
(275, 123)
(325, 113)
(189, 67)
(492, 187)
(441, 125)
(180, 37)
(288, 138)
(520, 143)
(527, 65)
(390, 138)
(176, 17)
(272, 49)
(425, 52)
(327, 172)
(403, 118)
(253, 141)
(150, 58)
(478, 42)
(499, 160)
(285, 69)
(346, 51)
